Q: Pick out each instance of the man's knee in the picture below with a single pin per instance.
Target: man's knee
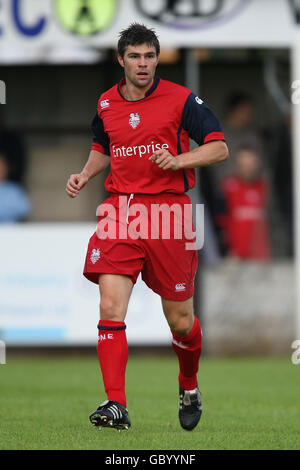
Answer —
(115, 291)
(181, 322)
(179, 315)
(111, 309)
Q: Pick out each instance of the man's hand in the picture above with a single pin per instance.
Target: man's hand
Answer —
(76, 183)
(165, 160)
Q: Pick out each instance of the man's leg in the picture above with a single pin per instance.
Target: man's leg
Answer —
(187, 339)
(115, 291)
(187, 342)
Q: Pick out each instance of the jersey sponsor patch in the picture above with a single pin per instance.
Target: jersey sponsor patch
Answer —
(95, 255)
(138, 150)
(134, 120)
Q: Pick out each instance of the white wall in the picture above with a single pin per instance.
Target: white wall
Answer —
(45, 299)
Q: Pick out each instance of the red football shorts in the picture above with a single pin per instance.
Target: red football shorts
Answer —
(148, 234)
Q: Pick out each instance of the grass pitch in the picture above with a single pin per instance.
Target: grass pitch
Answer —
(247, 404)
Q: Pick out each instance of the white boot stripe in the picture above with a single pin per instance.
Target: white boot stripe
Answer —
(113, 412)
(114, 409)
(116, 412)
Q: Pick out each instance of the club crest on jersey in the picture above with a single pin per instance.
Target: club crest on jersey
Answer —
(95, 255)
(134, 120)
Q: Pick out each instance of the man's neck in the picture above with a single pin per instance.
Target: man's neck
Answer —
(134, 93)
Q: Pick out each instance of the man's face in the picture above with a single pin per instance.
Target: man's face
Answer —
(139, 63)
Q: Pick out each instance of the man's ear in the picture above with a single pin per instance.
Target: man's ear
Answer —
(121, 61)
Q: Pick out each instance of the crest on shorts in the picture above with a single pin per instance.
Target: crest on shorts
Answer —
(134, 120)
(95, 255)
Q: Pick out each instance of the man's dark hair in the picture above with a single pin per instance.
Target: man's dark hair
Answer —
(137, 34)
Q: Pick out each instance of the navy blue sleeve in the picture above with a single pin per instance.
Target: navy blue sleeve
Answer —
(200, 122)
(100, 137)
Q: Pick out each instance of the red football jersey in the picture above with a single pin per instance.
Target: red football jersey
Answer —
(130, 131)
(246, 220)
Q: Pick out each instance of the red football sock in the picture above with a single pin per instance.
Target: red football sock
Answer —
(188, 350)
(113, 355)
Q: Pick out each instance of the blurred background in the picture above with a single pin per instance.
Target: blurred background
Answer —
(56, 58)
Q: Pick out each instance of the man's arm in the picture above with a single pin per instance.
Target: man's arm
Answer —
(97, 162)
(211, 152)
(204, 128)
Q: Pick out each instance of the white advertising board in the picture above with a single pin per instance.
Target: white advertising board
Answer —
(48, 31)
(45, 299)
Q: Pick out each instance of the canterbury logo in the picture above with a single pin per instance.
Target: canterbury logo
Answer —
(104, 104)
(180, 286)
